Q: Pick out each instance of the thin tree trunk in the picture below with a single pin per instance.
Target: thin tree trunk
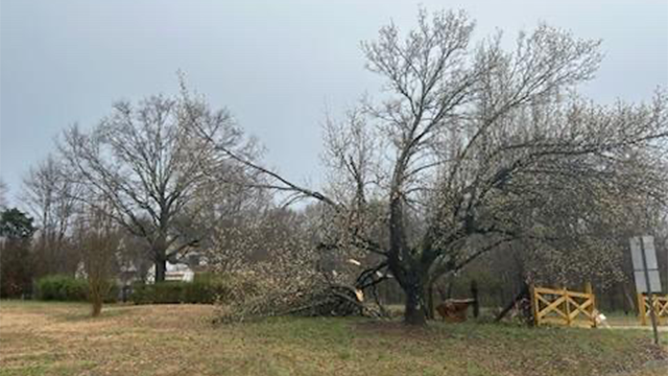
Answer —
(430, 301)
(474, 296)
(97, 307)
(95, 293)
(630, 301)
(451, 285)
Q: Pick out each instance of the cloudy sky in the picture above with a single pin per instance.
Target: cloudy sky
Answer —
(275, 64)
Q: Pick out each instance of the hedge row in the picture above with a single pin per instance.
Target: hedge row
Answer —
(198, 291)
(66, 288)
(205, 289)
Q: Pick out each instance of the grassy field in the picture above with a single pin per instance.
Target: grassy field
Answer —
(60, 339)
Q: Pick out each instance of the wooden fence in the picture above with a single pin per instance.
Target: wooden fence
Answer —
(660, 309)
(563, 307)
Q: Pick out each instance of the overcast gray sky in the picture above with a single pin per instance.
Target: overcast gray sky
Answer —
(274, 64)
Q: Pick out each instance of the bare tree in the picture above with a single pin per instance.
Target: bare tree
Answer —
(98, 240)
(52, 200)
(158, 177)
(3, 194)
(475, 141)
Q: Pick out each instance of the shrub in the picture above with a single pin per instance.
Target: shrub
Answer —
(66, 288)
(199, 292)
(203, 290)
(61, 287)
(112, 295)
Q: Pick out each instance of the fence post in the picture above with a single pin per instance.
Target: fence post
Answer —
(590, 291)
(534, 304)
(564, 292)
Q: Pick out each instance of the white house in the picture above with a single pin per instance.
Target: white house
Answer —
(174, 272)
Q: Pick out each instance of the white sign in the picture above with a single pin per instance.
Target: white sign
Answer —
(652, 265)
(654, 280)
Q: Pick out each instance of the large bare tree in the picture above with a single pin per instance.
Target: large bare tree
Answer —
(467, 144)
(158, 177)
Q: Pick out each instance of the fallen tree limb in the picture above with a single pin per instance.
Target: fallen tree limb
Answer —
(524, 292)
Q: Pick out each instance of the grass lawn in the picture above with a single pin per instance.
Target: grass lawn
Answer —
(60, 339)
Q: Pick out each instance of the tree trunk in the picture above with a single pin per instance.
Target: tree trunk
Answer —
(474, 296)
(159, 247)
(97, 307)
(430, 301)
(160, 269)
(630, 302)
(414, 313)
(95, 292)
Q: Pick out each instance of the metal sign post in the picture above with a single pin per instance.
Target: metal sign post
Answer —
(646, 273)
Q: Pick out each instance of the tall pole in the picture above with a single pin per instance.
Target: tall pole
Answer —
(650, 297)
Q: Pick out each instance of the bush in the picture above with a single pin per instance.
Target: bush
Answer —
(66, 288)
(112, 295)
(159, 293)
(203, 290)
(62, 288)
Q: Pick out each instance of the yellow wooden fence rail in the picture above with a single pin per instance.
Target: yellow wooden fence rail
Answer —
(660, 308)
(563, 307)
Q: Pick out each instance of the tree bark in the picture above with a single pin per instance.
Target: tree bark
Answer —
(96, 291)
(415, 312)
(97, 307)
(430, 301)
(474, 296)
(160, 269)
(630, 302)
(160, 258)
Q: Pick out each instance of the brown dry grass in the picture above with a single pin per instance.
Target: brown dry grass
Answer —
(60, 339)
